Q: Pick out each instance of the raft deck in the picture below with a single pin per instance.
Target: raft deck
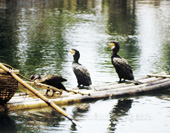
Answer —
(112, 90)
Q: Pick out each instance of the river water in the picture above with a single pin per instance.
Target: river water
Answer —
(36, 35)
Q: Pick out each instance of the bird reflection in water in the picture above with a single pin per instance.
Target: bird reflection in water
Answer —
(118, 111)
(79, 112)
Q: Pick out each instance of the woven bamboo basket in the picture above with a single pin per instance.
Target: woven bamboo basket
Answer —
(8, 86)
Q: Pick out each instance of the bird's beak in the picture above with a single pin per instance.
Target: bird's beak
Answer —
(72, 52)
(111, 45)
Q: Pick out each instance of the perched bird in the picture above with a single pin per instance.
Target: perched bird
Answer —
(50, 79)
(81, 72)
(121, 65)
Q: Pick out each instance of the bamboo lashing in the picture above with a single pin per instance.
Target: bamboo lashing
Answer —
(30, 88)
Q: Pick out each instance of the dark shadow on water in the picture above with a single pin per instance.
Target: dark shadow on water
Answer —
(119, 110)
(79, 112)
(7, 124)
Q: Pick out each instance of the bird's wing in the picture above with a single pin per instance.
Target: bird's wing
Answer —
(49, 77)
(82, 72)
(122, 65)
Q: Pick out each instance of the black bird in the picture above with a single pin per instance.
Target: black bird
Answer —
(81, 72)
(50, 79)
(121, 65)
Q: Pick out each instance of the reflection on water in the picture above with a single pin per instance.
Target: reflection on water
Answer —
(119, 110)
(151, 36)
(36, 120)
(7, 124)
(35, 37)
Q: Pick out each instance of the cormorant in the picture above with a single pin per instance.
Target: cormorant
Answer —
(50, 79)
(81, 72)
(121, 65)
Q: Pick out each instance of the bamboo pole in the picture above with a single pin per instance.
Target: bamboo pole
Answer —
(49, 102)
(133, 88)
(158, 75)
(126, 84)
(128, 92)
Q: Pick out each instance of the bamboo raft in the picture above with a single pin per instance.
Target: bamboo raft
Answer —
(10, 81)
(150, 83)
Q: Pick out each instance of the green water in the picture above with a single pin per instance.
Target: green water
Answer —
(35, 37)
